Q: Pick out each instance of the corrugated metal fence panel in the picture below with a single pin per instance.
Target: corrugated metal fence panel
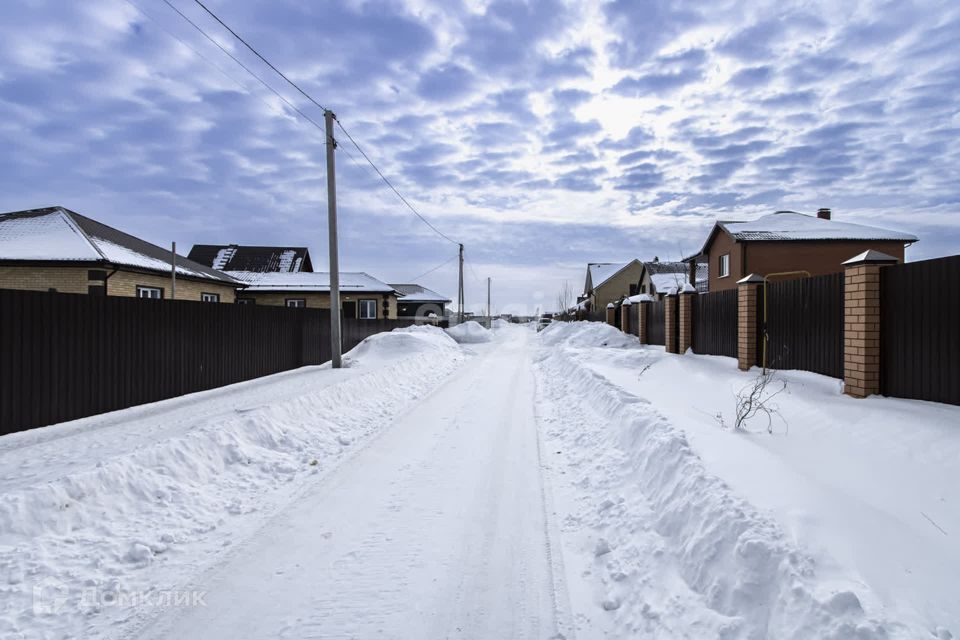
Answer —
(634, 314)
(65, 356)
(715, 323)
(804, 326)
(656, 319)
(920, 330)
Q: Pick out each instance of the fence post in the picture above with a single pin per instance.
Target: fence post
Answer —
(625, 316)
(861, 323)
(610, 311)
(670, 322)
(686, 317)
(642, 320)
(748, 290)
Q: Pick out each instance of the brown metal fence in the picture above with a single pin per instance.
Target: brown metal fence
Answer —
(920, 330)
(804, 327)
(656, 319)
(634, 319)
(65, 356)
(715, 323)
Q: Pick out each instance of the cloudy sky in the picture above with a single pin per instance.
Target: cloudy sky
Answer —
(542, 135)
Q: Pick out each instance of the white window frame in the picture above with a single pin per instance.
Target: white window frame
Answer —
(361, 304)
(147, 292)
(723, 270)
(209, 297)
(296, 303)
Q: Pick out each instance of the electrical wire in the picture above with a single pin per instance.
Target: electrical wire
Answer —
(429, 271)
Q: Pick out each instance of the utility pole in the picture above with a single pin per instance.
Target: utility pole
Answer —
(335, 345)
(173, 271)
(460, 291)
(489, 317)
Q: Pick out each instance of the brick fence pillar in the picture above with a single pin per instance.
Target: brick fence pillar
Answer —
(686, 318)
(861, 323)
(748, 291)
(610, 312)
(670, 321)
(642, 321)
(625, 317)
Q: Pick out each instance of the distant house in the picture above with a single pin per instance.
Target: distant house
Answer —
(234, 257)
(790, 241)
(56, 249)
(361, 295)
(657, 278)
(609, 282)
(418, 301)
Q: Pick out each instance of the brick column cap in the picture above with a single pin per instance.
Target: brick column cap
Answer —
(688, 289)
(641, 298)
(610, 305)
(626, 302)
(672, 293)
(751, 279)
(870, 256)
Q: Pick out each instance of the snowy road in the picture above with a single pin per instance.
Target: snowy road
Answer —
(435, 530)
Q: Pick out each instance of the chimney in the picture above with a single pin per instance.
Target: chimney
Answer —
(823, 214)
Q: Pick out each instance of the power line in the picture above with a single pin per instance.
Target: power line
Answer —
(308, 97)
(429, 271)
(257, 53)
(393, 188)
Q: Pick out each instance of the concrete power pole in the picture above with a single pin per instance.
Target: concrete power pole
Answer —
(460, 292)
(335, 346)
(489, 317)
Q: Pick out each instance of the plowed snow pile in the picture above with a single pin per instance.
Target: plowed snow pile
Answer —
(160, 485)
(662, 546)
(585, 334)
(470, 332)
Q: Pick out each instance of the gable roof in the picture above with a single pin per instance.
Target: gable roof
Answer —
(57, 234)
(418, 293)
(600, 272)
(310, 282)
(666, 275)
(235, 257)
(791, 226)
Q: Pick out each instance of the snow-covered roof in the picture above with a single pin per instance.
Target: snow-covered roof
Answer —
(790, 225)
(56, 234)
(417, 293)
(310, 282)
(663, 282)
(640, 297)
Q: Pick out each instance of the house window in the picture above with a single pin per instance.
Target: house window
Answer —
(633, 290)
(149, 292)
(298, 303)
(209, 297)
(724, 267)
(246, 301)
(368, 309)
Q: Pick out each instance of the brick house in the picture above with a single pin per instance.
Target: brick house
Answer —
(55, 249)
(361, 295)
(608, 282)
(790, 241)
(418, 302)
(236, 257)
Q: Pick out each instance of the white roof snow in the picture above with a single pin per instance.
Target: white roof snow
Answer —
(600, 272)
(417, 293)
(49, 237)
(790, 225)
(305, 281)
(663, 282)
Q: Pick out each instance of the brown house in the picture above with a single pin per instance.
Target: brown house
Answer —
(608, 282)
(361, 296)
(55, 249)
(789, 241)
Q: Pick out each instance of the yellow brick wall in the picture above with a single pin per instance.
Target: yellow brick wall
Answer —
(316, 300)
(616, 287)
(124, 283)
(63, 279)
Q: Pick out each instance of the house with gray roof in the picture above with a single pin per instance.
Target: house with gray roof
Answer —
(419, 302)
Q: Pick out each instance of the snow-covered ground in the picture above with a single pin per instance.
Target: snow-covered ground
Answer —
(841, 523)
(567, 484)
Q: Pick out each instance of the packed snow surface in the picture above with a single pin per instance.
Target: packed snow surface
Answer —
(470, 332)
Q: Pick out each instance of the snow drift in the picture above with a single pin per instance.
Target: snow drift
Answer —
(470, 332)
(585, 334)
(170, 479)
(636, 481)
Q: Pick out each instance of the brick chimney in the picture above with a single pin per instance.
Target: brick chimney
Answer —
(823, 214)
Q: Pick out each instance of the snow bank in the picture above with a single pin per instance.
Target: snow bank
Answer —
(638, 492)
(91, 506)
(470, 332)
(585, 334)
